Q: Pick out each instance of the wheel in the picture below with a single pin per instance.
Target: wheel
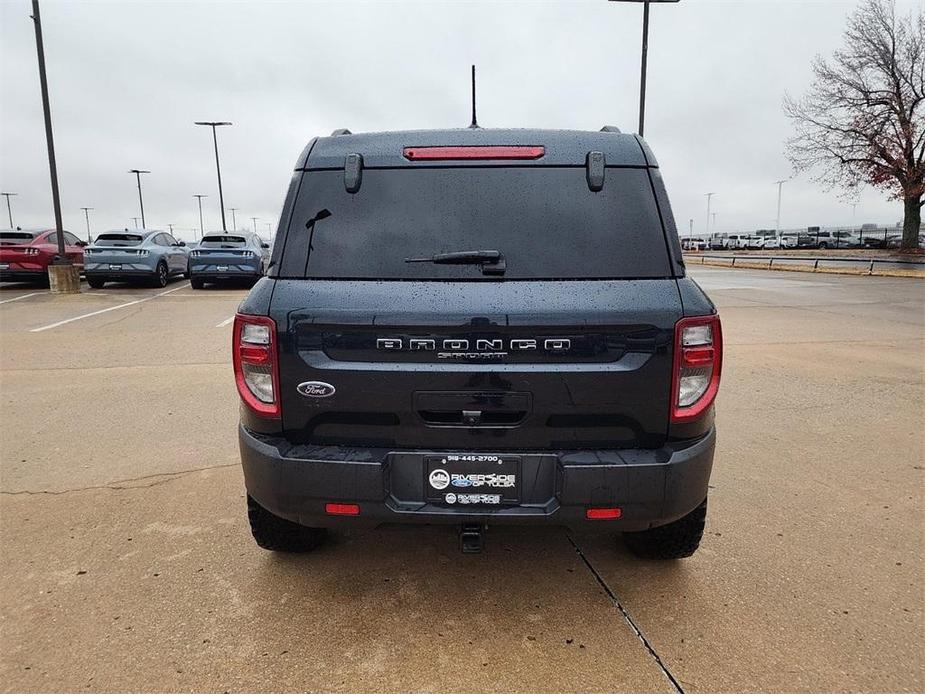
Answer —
(96, 282)
(196, 283)
(676, 540)
(823, 245)
(161, 275)
(278, 534)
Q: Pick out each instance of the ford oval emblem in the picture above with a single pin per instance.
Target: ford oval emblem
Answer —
(316, 389)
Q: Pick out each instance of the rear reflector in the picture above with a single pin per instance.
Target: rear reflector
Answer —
(603, 513)
(489, 152)
(342, 509)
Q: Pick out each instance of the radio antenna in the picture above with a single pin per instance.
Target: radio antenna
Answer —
(474, 123)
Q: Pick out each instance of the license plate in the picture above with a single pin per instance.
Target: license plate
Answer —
(115, 267)
(4, 266)
(223, 268)
(472, 479)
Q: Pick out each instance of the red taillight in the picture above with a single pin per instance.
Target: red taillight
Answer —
(698, 352)
(342, 509)
(603, 513)
(256, 372)
(490, 152)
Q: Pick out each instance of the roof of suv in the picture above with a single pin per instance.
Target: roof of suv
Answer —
(562, 147)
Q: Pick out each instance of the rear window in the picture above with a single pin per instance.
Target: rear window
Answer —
(223, 242)
(10, 238)
(544, 220)
(119, 239)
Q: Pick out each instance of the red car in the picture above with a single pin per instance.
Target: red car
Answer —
(26, 255)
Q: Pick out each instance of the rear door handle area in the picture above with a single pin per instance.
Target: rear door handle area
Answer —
(471, 409)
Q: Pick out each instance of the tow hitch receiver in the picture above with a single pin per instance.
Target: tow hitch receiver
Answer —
(471, 538)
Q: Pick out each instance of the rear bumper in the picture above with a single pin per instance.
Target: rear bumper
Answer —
(651, 487)
(16, 275)
(116, 275)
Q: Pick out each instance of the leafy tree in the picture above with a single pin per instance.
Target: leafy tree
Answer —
(863, 119)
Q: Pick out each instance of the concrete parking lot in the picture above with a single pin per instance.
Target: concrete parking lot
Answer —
(127, 564)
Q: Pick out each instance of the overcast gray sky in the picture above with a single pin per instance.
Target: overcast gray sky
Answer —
(127, 80)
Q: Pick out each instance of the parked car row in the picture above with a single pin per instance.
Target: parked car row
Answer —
(143, 256)
(811, 238)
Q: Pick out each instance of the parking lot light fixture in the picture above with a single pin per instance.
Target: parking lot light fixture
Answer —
(141, 202)
(234, 223)
(218, 168)
(254, 220)
(780, 185)
(87, 216)
(709, 197)
(199, 197)
(9, 210)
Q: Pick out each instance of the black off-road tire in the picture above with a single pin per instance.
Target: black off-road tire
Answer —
(278, 534)
(676, 540)
(96, 282)
(196, 283)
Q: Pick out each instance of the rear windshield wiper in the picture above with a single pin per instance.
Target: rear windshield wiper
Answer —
(492, 262)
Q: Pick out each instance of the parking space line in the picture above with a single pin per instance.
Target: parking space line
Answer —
(104, 310)
(225, 322)
(24, 296)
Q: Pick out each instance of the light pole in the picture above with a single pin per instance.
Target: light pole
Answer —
(170, 226)
(135, 219)
(234, 224)
(87, 215)
(9, 210)
(218, 169)
(709, 197)
(254, 220)
(141, 202)
(690, 233)
(714, 222)
(780, 185)
(201, 229)
(269, 230)
(62, 274)
(644, 58)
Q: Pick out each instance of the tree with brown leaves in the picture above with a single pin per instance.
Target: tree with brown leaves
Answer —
(863, 119)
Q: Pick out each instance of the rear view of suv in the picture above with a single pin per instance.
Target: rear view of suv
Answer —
(478, 327)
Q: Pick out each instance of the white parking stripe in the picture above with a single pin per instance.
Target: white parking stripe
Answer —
(104, 310)
(225, 322)
(24, 296)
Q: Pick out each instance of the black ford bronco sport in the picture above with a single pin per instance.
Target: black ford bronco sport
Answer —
(478, 327)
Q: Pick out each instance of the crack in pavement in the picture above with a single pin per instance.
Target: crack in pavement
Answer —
(119, 485)
(629, 620)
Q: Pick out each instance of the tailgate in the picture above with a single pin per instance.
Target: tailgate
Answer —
(476, 365)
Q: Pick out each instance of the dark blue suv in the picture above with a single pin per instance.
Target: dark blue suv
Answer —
(478, 326)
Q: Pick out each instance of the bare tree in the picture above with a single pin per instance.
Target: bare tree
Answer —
(863, 119)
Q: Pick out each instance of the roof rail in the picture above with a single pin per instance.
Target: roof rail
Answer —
(610, 129)
(341, 131)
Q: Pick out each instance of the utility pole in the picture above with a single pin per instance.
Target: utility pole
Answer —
(87, 215)
(709, 197)
(780, 185)
(234, 224)
(218, 169)
(201, 228)
(141, 201)
(254, 220)
(9, 210)
(644, 59)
